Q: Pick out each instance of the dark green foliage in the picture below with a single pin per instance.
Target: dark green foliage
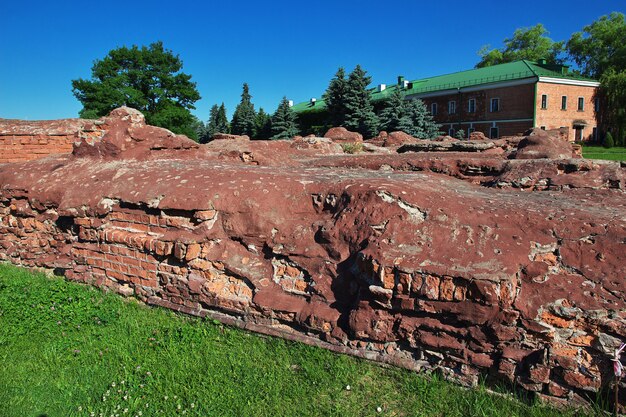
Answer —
(391, 117)
(409, 116)
(335, 98)
(221, 122)
(196, 129)
(460, 134)
(600, 46)
(526, 43)
(263, 125)
(284, 121)
(147, 79)
(608, 140)
(600, 52)
(359, 110)
(218, 123)
(243, 122)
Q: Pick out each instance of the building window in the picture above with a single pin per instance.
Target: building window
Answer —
(495, 104)
(471, 105)
(544, 101)
(594, 134)
(543, 128)
(563, 102)
(581, 103)
(433, 109)
(451, 107)
(596, 104)
(493, 133)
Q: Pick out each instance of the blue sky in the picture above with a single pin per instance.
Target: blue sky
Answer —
(280, 48)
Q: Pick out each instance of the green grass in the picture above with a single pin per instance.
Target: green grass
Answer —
(71, 350)
(617, 153)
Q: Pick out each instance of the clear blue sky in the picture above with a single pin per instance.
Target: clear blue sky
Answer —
(280, 48)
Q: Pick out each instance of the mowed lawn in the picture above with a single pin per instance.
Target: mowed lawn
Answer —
(617, 153)
(71, 350)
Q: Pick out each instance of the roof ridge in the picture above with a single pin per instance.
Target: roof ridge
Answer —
(468, 70)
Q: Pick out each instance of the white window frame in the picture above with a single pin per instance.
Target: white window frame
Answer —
(581, 108)
(493, 99)
(471, 105)
(452, 107)
(544, 107)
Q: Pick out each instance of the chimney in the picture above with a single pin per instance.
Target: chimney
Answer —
(312, 101)
(290, 103)
(542, 61)
(382, 87)
(400, 80)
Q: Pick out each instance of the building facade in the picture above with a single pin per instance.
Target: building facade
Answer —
(501, 100)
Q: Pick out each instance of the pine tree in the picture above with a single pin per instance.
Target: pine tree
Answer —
(284, 121)
(360, 114)
(409, 116)
(244, 116)
(334, 97)
(391, 117)
(209, 129)
(424, 126)
(262, 125)
(221, 121)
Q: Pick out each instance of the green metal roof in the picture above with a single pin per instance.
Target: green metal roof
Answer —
(516, 70)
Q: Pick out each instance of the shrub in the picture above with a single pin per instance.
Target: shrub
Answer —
(608, 140)
(352, 147)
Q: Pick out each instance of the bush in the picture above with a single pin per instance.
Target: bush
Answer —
(460, 134)
(608, 140)
(352, 147)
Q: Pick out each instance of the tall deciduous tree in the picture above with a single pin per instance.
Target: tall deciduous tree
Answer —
(148, 79)
(244, 117)
(360, 114)
(335, 98)
(600, 46)
(284, 121)
(526, 43)
(600, 52)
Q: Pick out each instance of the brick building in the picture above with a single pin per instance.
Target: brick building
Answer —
(501, 100)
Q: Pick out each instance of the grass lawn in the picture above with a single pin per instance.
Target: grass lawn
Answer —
(72, 350)
(617, 153)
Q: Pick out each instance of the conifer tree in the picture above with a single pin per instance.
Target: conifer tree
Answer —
(284, 121)
(360, 114)
(209, 129)
(221, 121)
(409, 116)
(263, 125)
(334, 97)
(243, 122)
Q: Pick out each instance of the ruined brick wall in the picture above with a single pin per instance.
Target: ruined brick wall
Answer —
(413, 268)
(27, 140)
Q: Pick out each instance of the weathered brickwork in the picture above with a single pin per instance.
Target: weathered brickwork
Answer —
(24, 140)
(480, 276)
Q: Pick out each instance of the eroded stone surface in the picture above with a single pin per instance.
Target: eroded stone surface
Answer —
(465, 262)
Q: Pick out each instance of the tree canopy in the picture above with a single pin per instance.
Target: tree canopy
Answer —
(262, 125)
(600, 46)
(148, 79)
(244, 117)
(526, 43)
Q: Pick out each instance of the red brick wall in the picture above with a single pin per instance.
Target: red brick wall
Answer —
(516, 103)
(554, 117)
(24, 141)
